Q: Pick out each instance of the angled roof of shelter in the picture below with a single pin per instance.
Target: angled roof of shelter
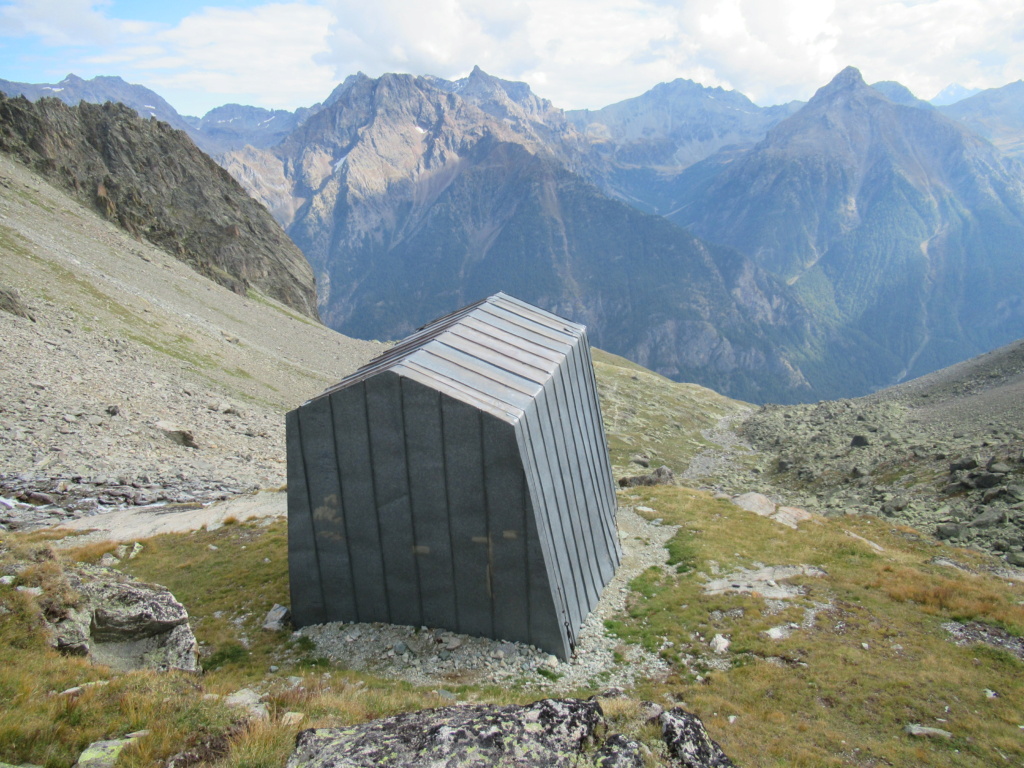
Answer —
(495, 355)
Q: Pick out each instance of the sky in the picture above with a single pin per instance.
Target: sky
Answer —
(578, 53)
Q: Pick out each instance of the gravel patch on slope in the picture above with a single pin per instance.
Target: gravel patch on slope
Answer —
(136, 380)
(716, 464)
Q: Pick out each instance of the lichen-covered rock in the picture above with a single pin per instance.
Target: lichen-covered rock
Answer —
(619, 751)
(132, 611)
(552, 732)
(688, 741)
(126, 624)
(102, 754)
(661, 476)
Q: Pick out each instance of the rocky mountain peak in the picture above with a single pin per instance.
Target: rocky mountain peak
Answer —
(849, 80)
(345, 86)
(508, 100)
(900, 94)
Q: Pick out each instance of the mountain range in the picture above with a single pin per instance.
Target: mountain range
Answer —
(897, 227)
(841, 245)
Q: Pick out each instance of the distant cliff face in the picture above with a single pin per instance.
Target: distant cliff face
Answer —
(151, 180)
(634, 149)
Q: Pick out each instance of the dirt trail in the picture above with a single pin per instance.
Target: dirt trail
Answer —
(135, 523)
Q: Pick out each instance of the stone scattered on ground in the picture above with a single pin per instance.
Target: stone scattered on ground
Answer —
(250, 702)
(276, 619)
(967, 633)
(761, 505)
(924, 731)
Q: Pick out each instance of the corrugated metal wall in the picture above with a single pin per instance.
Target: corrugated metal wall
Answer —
(460, 481)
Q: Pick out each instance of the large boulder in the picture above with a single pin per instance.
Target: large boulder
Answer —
(661, 476)
(688, 741)
(126, 624)
(552, 732)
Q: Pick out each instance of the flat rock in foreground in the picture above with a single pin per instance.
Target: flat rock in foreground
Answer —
(551, 732)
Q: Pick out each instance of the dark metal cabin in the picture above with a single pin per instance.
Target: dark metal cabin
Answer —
(461, 480)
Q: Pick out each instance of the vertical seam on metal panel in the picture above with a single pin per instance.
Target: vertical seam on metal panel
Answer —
(448, 511)
(312, 524)
(578, 431)
(555, 578)
(555, 464)
(586, 426)
(412, 505)
(487, 517)
(526, 544)
(376, 506)
(596, 410)
(600, 452)
(341, 506)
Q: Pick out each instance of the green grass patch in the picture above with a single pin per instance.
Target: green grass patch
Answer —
(647, 414)
(868, 656)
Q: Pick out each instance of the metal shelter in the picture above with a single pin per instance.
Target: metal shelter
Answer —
(461, 480)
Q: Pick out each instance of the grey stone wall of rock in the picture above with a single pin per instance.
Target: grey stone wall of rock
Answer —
(459, 481)
(126, 624)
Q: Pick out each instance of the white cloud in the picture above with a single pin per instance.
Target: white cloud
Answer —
(593, 52)
(60, 22)
(262, 55)
(578, 53)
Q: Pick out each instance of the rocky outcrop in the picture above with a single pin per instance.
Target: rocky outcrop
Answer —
(688, 741)
(661, 476)
(155, 183)
(551, 732)
(12, 302)
(943, 453)
(125, 624)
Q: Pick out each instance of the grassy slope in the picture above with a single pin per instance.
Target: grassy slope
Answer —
(645, 413)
